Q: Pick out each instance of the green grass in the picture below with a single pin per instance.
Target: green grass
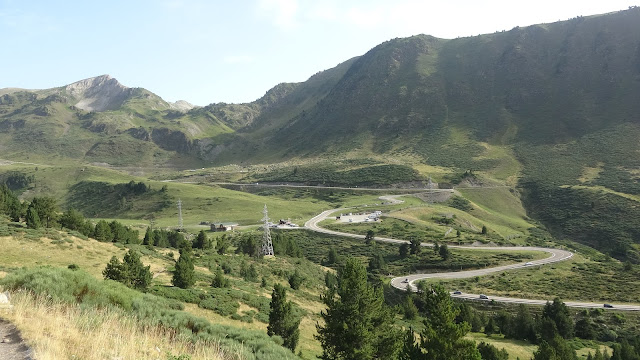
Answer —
(497, 208)
(517, 349)
(315, 247)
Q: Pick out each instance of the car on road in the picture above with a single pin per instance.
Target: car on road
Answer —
(484, 297)
(528, 263)
(405, 281)
(608, 306)
(457, 292)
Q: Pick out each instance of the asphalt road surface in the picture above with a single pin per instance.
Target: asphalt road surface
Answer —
(407, 282)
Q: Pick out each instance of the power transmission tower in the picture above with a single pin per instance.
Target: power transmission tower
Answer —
(179, 214)
(267, 245)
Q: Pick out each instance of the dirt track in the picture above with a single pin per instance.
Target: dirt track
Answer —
(12, 347)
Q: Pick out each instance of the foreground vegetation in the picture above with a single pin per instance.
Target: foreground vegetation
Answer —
(59, 330)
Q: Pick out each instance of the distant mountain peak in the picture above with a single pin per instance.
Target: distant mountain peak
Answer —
(100, 93)
(182, 105)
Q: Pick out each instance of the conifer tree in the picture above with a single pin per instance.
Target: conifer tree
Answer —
(10, 204)
(490, 352)
(219, 281)
(444, 252)
(282, 321)
(47, 210)
(102, 231)
(131, 271)
(32, 219)
(555, 349)
(558, 312)
(357, 322)
(202, 241)
(414, 246)
(184, 274)
(332, 257)
(138, 276)
(442, 338)
(114, 270)
(222, 244)
(410, 349)
(148, 237)
(598, 355)
(377, 263)
(403, 251)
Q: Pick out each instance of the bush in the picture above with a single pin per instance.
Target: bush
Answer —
(296, 280)
(192, 296)
(223, 305)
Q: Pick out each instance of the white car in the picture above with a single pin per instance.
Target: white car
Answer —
(528, 263)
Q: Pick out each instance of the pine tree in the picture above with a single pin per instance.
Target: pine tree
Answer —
(202, 241)
(330, 280)
(131, 271)
(32, 219)
(556, 349)
(491, 327)
(410, 308)
(72, 220)
(357, 322)
(47, 210)
(490, 352)
(102, 231)
(222, 244)
(444, 252)
(403, 251)
(114, 270)
(148, 237)
(219, 281)
(559, 314)
(598, 355)
(377, 263)
(184, 274)
(138, 276)
(410, 349)
(332, 257)
(295, 280)
(10, 204)
(442, 338)
(414, 246)
(484, 230)
(282, 322)
(524, 326)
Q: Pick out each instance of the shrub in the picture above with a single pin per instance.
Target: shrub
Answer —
(296, 280)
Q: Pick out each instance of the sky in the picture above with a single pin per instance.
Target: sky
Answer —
(234, 51)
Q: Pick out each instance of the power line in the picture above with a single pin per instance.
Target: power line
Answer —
(267, 244)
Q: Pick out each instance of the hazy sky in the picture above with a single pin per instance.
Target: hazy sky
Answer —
(234, 51)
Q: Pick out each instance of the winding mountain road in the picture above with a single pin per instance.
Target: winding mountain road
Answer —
(407, 282)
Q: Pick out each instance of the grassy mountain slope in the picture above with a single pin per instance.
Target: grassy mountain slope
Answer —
(551, 108)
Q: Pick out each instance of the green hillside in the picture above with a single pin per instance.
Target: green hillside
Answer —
(548, 111)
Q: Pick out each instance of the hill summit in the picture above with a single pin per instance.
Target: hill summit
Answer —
(98, 93)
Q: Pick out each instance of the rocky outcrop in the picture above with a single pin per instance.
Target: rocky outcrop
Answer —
(100, 93)
(171, 140)
(181, 105)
